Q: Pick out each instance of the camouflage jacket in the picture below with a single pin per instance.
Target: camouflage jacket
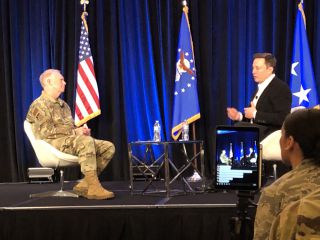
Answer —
(299, 220)
(291, 187)
(50, 118)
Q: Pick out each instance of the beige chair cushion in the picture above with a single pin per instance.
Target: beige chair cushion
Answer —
(271, 146)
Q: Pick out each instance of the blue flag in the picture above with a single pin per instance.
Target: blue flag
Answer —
(302, 82)
(186, 105)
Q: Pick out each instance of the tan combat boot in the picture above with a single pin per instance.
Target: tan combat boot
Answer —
(82, 187)
(95, 190)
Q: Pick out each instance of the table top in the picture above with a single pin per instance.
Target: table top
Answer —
(164, 142)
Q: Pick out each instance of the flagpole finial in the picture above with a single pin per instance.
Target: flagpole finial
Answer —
(84, 13)
(300, 7)
(185, 6)
(84, 3)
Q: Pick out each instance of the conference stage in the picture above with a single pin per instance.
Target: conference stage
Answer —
(128, 216)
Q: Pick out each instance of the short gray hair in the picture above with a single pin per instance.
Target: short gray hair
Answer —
(47, 73)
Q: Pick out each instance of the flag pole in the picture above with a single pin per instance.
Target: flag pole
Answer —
(84, 13)
(186, 9)
(83, 17)
(84, 3)
(302, 12)
(87, 105)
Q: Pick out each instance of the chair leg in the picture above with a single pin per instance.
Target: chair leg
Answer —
(61, 180)
(275, 176)
(60, 193)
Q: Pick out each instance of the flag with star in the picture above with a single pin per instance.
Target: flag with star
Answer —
(87, 104)
(186, 105)
(302, 81)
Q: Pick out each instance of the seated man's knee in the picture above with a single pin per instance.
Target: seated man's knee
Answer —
(107, 149)
(111, 149)
(105, 154)
(84, 144)
(86, 140)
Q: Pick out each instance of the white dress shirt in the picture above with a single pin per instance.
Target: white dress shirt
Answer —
(261, 87)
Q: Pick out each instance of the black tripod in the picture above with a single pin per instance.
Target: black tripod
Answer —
(242, 225)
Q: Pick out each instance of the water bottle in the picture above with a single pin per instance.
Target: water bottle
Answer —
(156, 131)
(185, 131)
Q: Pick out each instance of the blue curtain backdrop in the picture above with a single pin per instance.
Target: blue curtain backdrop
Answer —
(134, 48)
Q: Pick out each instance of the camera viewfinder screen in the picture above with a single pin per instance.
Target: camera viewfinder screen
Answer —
(237, 161)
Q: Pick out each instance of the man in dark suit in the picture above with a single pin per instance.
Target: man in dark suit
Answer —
(271, 102)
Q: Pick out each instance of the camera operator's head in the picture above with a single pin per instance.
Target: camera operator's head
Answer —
(300, 136)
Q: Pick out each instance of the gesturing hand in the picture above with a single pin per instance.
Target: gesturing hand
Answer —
(233, 114)
(249, 111)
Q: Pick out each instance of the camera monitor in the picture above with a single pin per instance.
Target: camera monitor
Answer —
(238, 159)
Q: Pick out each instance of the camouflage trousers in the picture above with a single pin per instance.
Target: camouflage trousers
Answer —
(93, 154)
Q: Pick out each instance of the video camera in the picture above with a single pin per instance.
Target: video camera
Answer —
(238, 167)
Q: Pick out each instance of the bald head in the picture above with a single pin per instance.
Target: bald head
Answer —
(46, 74)
(52, 82)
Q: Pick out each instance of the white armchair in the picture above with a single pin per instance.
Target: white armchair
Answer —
(48, 156)
(271, 147)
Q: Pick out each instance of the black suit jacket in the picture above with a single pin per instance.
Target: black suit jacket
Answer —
(273, 106)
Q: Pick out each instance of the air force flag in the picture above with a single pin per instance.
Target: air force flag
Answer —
(186, 105)
(302, 82)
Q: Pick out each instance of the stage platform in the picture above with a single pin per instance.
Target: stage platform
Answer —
(187, 216)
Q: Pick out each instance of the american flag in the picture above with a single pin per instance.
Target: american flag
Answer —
(87, 96)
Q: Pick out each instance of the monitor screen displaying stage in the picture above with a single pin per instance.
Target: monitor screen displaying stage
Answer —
(237, 158)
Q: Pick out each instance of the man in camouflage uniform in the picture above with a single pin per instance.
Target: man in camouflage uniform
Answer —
(51, 121)
(299, 220)
(300, 143)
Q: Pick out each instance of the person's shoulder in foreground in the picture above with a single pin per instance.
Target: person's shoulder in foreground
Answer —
(300, 148)
(299, 220)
